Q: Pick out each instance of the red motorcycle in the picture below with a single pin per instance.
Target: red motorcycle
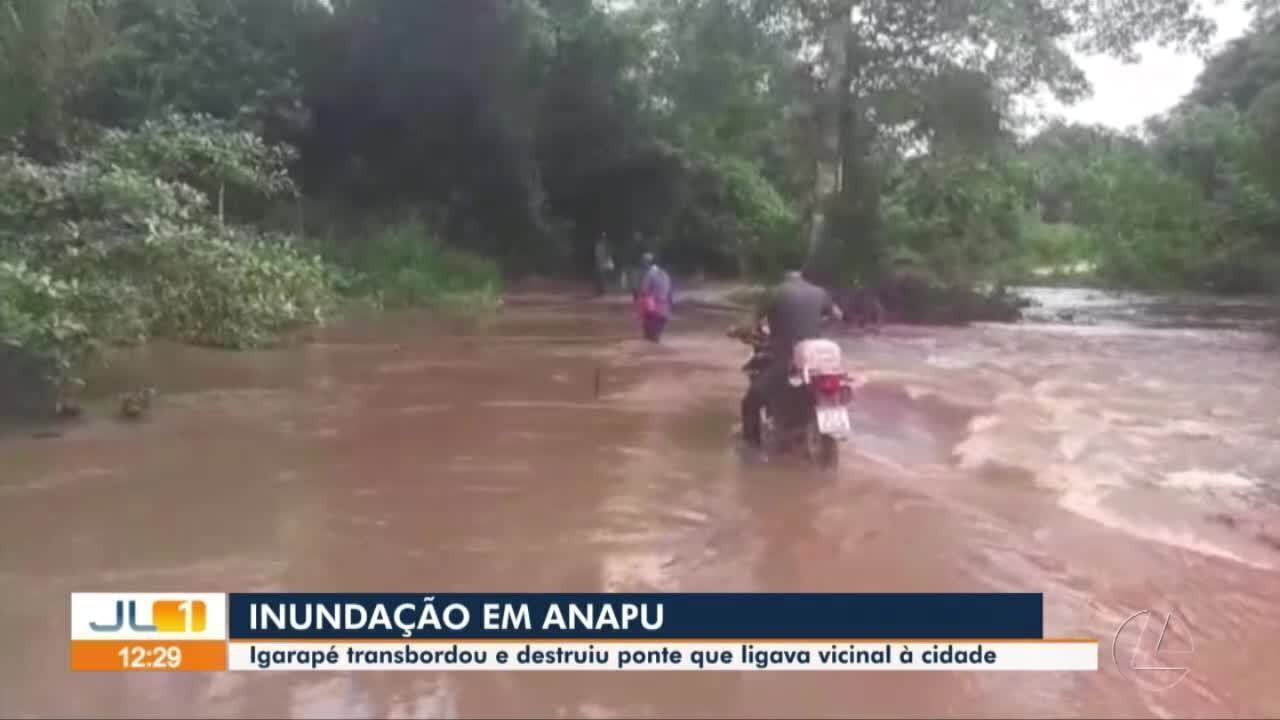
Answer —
(812, 411)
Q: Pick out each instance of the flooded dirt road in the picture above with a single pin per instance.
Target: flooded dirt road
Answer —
(1116, 467)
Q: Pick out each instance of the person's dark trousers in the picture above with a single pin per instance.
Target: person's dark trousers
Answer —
(654, 325)
(768, 381)
(601, 283)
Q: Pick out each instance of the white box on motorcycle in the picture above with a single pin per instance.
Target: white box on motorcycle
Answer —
(818, 357)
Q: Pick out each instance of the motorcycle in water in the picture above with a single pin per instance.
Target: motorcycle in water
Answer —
(812, 410)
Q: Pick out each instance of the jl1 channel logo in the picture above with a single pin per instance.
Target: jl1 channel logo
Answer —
(148, 616)
(167, 616)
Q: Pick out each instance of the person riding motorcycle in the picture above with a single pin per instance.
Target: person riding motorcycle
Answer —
(795, 312)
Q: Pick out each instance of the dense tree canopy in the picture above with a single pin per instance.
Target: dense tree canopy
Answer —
(733, 136)
(1195, 199)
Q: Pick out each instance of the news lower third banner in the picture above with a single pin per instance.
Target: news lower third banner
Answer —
(597, 632)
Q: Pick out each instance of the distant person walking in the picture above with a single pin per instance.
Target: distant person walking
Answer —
(631, 271)
(654, 299)
(603, 264)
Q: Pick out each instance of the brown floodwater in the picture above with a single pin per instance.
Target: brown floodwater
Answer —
(1128, 463)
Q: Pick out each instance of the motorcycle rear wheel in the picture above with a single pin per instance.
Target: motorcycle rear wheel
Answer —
(823, 449)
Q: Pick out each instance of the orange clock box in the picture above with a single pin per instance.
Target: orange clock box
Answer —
(148, 655)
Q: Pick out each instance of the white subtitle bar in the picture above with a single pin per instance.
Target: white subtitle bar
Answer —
(1047, 655)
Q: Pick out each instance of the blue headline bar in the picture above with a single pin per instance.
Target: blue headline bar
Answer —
(709, 616)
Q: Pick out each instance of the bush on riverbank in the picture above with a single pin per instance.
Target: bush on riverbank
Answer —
(404, 263)
(114, 246)
(146, 234)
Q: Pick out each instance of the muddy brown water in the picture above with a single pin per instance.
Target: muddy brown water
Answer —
(1126, 465)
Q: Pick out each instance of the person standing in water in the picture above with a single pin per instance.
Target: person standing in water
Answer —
(631, 271)
(654, 299)
(603, 264)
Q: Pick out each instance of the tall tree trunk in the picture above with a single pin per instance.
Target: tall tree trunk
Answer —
(830, 104)
(852, 149)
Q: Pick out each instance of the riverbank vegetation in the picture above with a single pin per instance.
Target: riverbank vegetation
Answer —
(220, 171)
(132, 234)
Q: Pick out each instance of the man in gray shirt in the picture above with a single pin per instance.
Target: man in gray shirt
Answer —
(795, 312)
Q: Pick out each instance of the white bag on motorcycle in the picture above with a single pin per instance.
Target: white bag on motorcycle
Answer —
(819, 357)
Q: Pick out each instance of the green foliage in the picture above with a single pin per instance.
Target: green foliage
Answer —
(232, 290)
(113, 246)
(732, 213)
(1191, 205)
(1055, 249)
(1241, 71)
(1148, 224)
(225, 58)
(1225, 137)
(37, 198)
(203, 152)
(437, 104)
(47, 49)
(175, 168)
(960, 216)
(716, 71)
(37, 316)
(405, 264)
(539, 124)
